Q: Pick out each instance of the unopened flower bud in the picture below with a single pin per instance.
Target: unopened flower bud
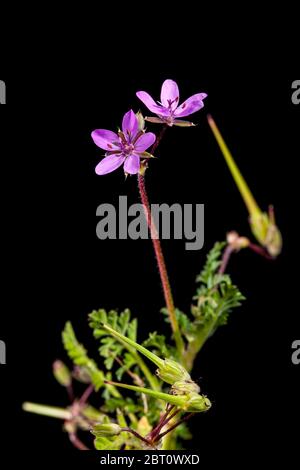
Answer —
(82, 374)
(62, 373)
(242, 242)
(237, 242)
(171, 372)
(232, 237)
(110, 429)
(141, 120)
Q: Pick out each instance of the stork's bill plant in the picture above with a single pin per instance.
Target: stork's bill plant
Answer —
(140, 393)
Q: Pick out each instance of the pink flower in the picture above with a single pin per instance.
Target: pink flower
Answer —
(168, 109)
(127, 147)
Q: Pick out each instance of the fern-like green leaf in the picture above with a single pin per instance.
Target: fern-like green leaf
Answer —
(157, 344)
(110, 348)
(216, 295)
(213, 262)
(128, 362)
(185, 323)
(78, 355)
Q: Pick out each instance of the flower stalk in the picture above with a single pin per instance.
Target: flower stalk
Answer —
(161, 266)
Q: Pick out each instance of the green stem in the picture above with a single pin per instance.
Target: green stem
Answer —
(195, 346)
(169, 441)
(45, 410)
(114, 391)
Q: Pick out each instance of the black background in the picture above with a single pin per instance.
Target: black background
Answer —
(55, 269)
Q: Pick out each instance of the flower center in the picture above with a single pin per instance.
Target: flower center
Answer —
(128, 148)
(171, 102)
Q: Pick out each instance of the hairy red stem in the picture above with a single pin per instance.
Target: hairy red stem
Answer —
(161, 264)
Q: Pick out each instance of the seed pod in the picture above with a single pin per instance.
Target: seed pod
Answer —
(62, 373)
(183, 387)
(197, 403)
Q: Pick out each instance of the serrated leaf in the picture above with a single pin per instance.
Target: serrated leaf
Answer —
(110, 348)
(78, 355)
(216, 297)
(112, 443)
(132, 330)
(157, 344)
(128, 363)
(185, 323)
(127, 405)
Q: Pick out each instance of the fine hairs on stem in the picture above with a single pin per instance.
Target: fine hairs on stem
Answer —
(161, 266)
(159, 254)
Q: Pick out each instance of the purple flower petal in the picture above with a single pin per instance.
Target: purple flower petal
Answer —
(109, 164)
(162, 111)
(145, 141)
(132, 164)
(191, 105)
(106, 140)
(130, 124)
(151, 105)
(147, 100)
(169, 94)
